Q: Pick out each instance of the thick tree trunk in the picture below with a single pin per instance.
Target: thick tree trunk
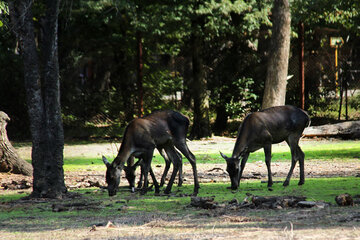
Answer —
(9, 159)
(43, 101)
(277, 68)
(201, 127)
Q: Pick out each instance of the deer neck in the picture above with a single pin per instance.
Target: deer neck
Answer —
(123, 155)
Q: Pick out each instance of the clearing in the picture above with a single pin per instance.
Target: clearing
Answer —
(92, 214)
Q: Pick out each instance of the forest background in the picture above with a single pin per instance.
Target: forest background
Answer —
(102, 45)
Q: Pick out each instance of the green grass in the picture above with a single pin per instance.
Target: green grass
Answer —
(315, 189)
(341, 150)
(136, 209)
(16, 217)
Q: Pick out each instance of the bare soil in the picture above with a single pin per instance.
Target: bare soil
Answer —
(315, 223)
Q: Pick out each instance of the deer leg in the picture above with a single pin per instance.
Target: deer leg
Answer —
(156, 184)
(293, 144)
(167, 166)
(147, 157)
(180, 170)
(140, 183)
(130, 163)
(301, 157)
(242, 166)
(183, 148)
(267, 151)
(171, 152)
(166, 170)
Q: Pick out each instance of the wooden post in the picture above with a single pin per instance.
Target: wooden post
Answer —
(336, 67)
(301, 65)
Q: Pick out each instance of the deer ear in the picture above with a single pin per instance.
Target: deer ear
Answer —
(105, 161)
(224, 156)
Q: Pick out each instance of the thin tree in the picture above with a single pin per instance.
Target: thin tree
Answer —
(277, 67)
(41, 75)
(201, 126)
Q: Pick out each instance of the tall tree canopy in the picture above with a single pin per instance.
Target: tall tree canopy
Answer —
(212, 54)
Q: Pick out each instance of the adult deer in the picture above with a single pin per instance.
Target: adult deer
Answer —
(261, 130)
(162, 130)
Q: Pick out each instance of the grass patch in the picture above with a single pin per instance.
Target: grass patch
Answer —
(342, 150)
(136, 209)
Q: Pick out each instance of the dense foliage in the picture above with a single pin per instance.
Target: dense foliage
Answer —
(98, 56)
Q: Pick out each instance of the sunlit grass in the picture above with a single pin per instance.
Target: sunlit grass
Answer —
(314, 189)
(342, 150)
(35, 216)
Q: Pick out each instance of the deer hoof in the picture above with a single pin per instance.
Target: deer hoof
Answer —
(167, 191)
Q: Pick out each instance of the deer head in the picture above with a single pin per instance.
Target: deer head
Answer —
(233, 169)
(113, 174)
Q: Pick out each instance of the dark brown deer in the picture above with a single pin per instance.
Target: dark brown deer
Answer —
(261, 130)
(162, 130)
(130, 169)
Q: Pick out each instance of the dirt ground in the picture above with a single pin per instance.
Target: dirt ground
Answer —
(206, 172)
(330, 223)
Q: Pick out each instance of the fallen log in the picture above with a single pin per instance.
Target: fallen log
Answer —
(276, 201)
(350, 129)
(203, 202)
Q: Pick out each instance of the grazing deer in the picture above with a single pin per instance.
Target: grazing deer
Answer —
(130, 169)
(164, 130)
(261, 130)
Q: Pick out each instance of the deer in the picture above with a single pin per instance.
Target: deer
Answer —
(165, 130)
(130, 169)
(261, 130)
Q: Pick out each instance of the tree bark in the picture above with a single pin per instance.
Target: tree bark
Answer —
(140, 76)
(221, 119)
(277, 68)
(201, 126)
(43, 96)
(9, 159)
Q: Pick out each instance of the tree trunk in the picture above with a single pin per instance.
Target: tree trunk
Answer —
(277, 68)
(140, 69)
(221, 119)
(43, 101)
(9, 159)
(201, 127)
(188, 79)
